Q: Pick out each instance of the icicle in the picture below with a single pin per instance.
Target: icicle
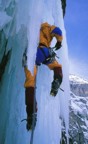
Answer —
(63, 54)
(35, 12)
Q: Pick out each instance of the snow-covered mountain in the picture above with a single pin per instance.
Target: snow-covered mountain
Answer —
(78, 85)
(78, 110)
(77, 80)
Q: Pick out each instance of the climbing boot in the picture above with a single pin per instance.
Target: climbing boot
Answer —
(54, 87)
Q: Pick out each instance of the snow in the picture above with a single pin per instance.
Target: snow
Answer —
(79, 105)
(23, 31)
(80, 109)
(77, 80)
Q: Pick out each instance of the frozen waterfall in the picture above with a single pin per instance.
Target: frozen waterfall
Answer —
(19, 28)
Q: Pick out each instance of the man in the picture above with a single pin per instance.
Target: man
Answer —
(45, 56)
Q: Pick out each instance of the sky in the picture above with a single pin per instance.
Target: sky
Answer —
(76, 24)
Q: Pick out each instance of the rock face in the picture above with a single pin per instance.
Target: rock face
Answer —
(63, 6)
(78, 110)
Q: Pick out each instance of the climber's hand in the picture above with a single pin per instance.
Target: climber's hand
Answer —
(58, 45)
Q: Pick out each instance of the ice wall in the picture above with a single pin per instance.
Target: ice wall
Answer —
(21, 29)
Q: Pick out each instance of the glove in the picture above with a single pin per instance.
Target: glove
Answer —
(58, 45)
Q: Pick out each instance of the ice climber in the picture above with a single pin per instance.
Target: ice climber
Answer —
(45, 56)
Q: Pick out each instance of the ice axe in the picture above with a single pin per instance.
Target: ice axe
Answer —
(54, 51)
(61, 89)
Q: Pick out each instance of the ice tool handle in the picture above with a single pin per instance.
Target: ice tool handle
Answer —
(54, 51)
